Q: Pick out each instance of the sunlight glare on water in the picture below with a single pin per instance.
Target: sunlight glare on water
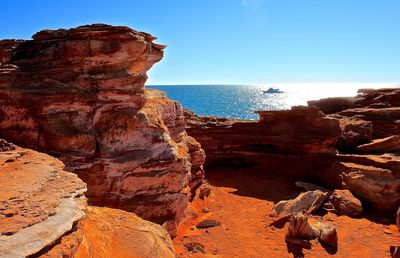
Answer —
(240, 101)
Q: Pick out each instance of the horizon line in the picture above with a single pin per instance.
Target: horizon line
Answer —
(271, 83)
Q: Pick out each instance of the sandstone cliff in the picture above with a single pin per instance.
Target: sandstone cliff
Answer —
(300, 142)
(43, 213)
(79, 95)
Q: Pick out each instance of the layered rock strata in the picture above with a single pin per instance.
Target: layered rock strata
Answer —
(79, 95)
(380, 107)
(43, 213)
(303, 142)
(298, 142)
(39, 202)
(369, 166)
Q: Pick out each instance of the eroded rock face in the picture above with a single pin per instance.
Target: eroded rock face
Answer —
(375, 186)
(355, 131)
(385, 121)
(368, 98)
(43, 213)
(301, 138)
(79, 94)
(39, 202)
(385, 145)
(116, 233)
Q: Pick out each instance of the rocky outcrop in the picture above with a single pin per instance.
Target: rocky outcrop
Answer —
(368, 98)
(43, 213)
(385, 121)
(39, 202)
(116, 233)
(355, 131)
(301, 138)
(79, 95)
(377, 187)
(333, 105)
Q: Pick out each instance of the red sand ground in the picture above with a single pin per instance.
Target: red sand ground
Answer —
(242, 200)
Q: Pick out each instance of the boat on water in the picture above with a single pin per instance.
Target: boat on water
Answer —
(272, 90)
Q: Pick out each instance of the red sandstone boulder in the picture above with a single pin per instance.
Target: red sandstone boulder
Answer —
(115, 233)
(300, 228)
(345, 203)
(307, 202)
(79, 94)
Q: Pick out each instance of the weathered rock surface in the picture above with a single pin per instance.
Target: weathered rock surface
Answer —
(307, 202)
(328, 234)
(386, 161)
(301, 138)
(377, 187)
(370, 98)
(301, 229)
(39, 201)
(375, 97)
(345, 203)
(43, 213)
(385, 145)
(333, 105)
(355, 131)
(385, 121)
(115, 233)
(79, 94)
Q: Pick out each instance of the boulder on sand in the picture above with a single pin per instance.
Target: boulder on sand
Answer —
(308, 202)
(345, 203)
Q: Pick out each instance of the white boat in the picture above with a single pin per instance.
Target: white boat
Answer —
(272, 90)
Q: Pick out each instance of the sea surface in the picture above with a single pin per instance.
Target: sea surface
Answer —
(240, 101)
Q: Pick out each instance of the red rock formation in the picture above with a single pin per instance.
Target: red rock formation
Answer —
(79, 94)
(385, 121)
(300, 141)
(389, 144)
(115, 233)
(39, 202)
(355, 131)
(43, 213)
(370, 98)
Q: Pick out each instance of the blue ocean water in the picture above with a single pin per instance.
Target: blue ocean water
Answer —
(240, 101)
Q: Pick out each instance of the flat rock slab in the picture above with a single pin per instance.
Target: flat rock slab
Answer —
(39, 201)
(388, 144)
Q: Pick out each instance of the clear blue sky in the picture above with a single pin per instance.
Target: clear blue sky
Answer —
(240, 41)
